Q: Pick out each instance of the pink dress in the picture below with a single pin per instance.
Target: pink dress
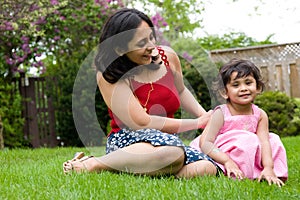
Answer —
(238, 139)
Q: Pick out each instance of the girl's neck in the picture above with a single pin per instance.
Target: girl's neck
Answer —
(239, 109)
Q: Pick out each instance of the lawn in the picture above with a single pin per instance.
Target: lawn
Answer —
(37, 174)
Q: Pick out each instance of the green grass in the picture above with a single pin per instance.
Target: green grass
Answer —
(37, 174)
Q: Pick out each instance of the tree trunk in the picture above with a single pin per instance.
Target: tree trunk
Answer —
(1, 134)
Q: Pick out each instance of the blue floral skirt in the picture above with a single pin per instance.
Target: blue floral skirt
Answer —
(126, 137)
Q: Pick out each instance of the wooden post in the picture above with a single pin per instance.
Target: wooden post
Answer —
(295, 78)
(1, 134)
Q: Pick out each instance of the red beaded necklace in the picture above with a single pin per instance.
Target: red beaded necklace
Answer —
(166, 62)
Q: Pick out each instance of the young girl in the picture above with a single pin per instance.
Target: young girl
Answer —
(237, 136)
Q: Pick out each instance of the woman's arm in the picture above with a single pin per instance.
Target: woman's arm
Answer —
(266, 151)
(188, 101)
(120, 99)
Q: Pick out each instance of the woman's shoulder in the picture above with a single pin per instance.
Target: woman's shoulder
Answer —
(169, 51)
(102, 83)
(171, 57)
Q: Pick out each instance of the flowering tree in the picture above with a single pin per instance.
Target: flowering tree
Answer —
(21, 32)
(180, 16)
(58, 35)
(31, 29)
(39, 32)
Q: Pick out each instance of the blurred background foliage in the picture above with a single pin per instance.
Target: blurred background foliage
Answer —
(56, 39)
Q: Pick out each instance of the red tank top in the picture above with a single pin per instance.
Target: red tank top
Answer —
(163, 100)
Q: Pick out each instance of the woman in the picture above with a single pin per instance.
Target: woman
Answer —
(142, 86)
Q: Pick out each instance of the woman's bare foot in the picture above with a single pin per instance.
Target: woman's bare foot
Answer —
(84, 164)
(79, 163)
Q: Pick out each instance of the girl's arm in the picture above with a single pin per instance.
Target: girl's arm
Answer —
(120, 99)
(207, 146)
(266, 151)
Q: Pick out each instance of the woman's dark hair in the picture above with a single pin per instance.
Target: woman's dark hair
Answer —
(118, 30)
(243, 68)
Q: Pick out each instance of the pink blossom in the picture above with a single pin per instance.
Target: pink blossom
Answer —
(8, 26)
(165, 23)
(38, 54)
(9, 61)
(21, 59)
(15, 56)
(54, 2)
(25, 39)
(25, 47)
(56, 12)
(41, 20)
(40, 63)
(56, 38)
(33, 7)
(188, 57)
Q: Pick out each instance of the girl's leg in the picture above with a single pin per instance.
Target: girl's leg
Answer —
(138, 158)
(198, 168)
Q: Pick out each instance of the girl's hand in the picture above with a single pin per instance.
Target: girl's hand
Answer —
(269, 175)
(233, 169)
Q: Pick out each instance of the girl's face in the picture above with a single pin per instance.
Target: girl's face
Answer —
(241, 90)
(141, 46)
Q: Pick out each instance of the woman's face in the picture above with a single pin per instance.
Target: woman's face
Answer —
(141, 46)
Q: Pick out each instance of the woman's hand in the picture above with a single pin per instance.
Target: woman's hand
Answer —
(203, 120)
(233, 169)
(269, 175)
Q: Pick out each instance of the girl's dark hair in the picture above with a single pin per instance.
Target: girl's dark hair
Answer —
(118, 30)
(243, 68)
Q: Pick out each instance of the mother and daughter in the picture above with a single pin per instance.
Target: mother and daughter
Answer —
(142, 86)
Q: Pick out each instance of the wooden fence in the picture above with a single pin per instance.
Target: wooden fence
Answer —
(38, 112)
(279, 64)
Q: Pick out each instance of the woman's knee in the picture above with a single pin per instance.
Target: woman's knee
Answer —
(169, 158)
(161, 160)
(170, 155)
(162, 157)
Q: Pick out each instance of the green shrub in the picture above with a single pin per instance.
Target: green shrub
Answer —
(283, 112)
(11, 114)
